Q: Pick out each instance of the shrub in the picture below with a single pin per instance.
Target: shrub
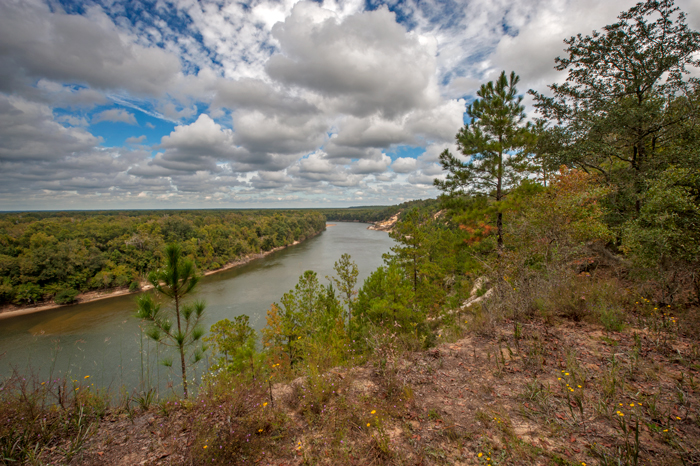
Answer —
(29, 293)
(66, 296)
(6, 292)
(611, 317)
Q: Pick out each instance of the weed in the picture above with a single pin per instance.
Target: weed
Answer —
(145, 399)
(434, 415)
(612, 318)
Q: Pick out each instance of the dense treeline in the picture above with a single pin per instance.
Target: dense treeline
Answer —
(371, 214)
(58, 254)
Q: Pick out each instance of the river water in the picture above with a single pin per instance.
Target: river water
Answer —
(103, 340)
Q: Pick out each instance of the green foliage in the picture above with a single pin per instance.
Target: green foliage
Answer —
(65, 296)
(555, 224)
(235, 342)
(668, 227)
(346, 279)
(370, 214)
(423, 250)
(665, 238)
(386, 298)
(7, 293)
(29, 293)
(175, 281)
(627, 102)
(308, 319)
(103, 250)
(493, 144)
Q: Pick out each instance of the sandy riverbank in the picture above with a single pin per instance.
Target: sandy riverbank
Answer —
(14, 311)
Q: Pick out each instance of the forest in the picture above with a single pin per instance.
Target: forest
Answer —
(554, 284)
(56, 255)
(371, 214)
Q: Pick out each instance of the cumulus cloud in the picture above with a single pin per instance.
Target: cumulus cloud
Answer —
(89, 49)
(28, 131)
(255, 94)
(377, 164)
(404, 165)
(73, 120)
(287, 101)
(67, 96)
(135, 140)
(116, 115)
(362, 64)
(277, 134)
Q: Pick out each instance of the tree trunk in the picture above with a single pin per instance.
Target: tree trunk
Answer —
(181, 348)
(499, 194)
(499, 227)
(415, 274)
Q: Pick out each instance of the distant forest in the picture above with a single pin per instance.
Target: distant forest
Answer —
(371, 214)
(57, 255)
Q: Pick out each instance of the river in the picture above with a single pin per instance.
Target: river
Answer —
(102, 339)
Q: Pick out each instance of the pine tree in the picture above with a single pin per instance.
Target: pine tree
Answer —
(494, 145)
(175, 281)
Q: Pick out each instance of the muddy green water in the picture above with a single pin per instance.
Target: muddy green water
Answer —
(102, 339)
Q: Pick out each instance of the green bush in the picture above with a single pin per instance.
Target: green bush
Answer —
(66, 296)
(6, 292)
(29, 293)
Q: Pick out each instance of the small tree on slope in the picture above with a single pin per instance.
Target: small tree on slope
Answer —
(175, 281)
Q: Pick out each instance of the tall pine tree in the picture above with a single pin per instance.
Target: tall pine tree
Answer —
(493, 144)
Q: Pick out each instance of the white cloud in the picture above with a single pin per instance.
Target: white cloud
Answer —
(404, 165)
(116, 115)
(377, 164)
(28, 131)
(361, 64)
(286, 101)
(38, 43)
(136, 140)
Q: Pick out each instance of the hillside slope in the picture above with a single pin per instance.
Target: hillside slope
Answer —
(564, 394)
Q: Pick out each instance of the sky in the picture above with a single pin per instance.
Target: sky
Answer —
(164, 104)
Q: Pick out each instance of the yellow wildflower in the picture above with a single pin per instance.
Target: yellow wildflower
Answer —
(373, 411)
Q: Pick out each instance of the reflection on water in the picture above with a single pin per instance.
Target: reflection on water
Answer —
(102, 339)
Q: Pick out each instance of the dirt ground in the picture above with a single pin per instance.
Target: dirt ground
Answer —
(564, 394)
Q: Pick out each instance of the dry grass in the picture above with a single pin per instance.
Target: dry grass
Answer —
(608, 379)
(567, 393)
